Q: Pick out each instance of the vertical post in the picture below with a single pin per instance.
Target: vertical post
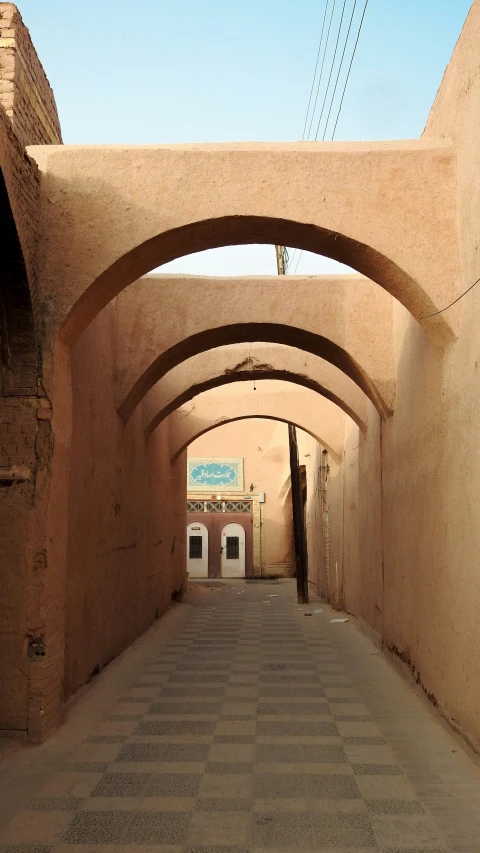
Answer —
(282, 259)
(301, 560)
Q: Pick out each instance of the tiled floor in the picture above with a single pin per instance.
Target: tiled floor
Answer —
(247, 726)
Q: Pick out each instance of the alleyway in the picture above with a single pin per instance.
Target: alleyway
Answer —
(236, 724)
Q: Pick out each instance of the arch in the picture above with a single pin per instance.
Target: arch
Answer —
(119, 212)
(245, 230)
(334, 453)
(247, 359)
(18, 351)
(158, 312)
(197, 557)
(274, 400)
(275, 333)
(250, 376)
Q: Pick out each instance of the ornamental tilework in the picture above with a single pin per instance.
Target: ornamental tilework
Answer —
(214, 474)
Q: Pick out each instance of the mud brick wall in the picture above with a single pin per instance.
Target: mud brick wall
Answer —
(25, 92)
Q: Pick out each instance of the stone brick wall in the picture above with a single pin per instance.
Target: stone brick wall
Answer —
(27, 116)
(25, 92)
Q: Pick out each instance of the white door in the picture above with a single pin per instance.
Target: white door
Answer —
(233, 551)
(197, 550)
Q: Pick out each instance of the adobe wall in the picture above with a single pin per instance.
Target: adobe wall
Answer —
(27, 115)
(25, 93)
(310, 456)
(126, 515)
(323, 519)
(264, 447)
(431, 461)
(422, 594)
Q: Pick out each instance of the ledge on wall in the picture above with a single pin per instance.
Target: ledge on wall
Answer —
(15, 474)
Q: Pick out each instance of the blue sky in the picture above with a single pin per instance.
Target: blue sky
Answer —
(161, 71)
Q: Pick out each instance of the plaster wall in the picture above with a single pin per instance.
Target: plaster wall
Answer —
(248, 362)
(431, 461)
(264, 447)
(430, 474)
(273, 399)
(236, 194)
(362, 525)
(310, 457)
(330, 316)
(324, 511)
(126, 515)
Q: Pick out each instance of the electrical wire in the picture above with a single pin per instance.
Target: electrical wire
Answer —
(339, 69)
(331, 67)
(342, 100)
(321, 70)
(316, 67)
(427, 316)
(349, 69)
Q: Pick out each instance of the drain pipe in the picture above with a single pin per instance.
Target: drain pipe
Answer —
(260, 534)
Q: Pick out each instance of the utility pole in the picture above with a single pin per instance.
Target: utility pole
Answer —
(301, 559)
(282, 259)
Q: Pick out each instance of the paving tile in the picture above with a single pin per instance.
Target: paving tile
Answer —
(86, 767)
(142, 752)
(110, 804)
(226, 785)
(341, 830)
(385, 787)
(121, 785)
(282, 831)
(25, 848)
(35, 826)
(186, 752)
(173, 785)
(97, 827)
(296, 728)
(112, 727)
(223, 804)
(157, 828)
(164, 727)
(53, 804)
(401, 807)
(231, 752)
(106, 739)
(276, 785)
(332, 787)
(250, 734)
(407, 831)
(216, 829)
(70, 784)
(377, 769)
(278, 753)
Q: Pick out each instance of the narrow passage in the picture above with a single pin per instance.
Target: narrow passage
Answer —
(252, 728)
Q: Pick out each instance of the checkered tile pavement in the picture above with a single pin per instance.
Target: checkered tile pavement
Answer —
(247, 734)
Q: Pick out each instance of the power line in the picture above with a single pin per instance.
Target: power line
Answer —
(349, 69)
(331, 68)
(316, 67)
(427, 316)
(321, 70)
(339, 69)
(343, 92)
(318, 89)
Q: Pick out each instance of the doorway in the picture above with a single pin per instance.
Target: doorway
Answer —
(232, 551)
(214, 562)
(197, 550)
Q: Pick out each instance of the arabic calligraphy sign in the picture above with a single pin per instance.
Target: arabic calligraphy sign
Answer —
(208, 474)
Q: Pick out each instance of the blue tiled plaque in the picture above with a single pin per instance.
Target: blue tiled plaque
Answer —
(210, 475)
